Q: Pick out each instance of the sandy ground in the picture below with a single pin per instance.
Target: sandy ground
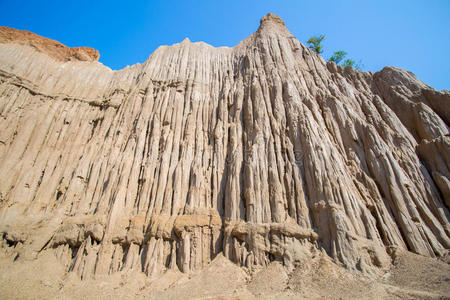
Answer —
(410, 277)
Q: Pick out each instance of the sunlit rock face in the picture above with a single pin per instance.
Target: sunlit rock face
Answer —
(263, 152)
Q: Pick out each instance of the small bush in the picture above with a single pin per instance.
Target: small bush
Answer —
(314, 43)
(338, 56)
(349, 62)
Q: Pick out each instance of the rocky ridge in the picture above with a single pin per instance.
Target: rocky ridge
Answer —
(50, 47)
(262, 152)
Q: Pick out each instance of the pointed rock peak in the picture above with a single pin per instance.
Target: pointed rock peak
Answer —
(271, 18)
(272, 23)
(186, 41)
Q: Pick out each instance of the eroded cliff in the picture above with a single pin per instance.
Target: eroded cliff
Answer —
(263, 152)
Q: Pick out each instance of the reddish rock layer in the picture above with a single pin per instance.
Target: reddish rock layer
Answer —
(51, 47)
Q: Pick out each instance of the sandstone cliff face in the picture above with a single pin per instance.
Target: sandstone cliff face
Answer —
(261, 152)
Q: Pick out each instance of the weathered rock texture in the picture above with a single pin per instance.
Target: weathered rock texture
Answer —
(263, 152)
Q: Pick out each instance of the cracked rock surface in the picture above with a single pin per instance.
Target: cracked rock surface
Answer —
(262, 152)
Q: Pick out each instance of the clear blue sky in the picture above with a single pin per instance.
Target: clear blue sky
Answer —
(411, 34)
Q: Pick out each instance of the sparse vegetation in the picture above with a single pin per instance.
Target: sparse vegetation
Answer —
(314, 43)
(338, 56)
(349, 62)
(352, 63)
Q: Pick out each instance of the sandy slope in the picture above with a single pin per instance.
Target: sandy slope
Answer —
(411, 277)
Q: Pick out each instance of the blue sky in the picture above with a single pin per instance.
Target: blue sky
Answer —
(410, 34)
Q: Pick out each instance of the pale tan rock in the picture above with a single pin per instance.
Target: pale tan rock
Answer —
(263, 152)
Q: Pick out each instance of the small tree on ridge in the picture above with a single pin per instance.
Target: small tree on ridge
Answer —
(338, 56)
(314, 43)
(349, 62)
